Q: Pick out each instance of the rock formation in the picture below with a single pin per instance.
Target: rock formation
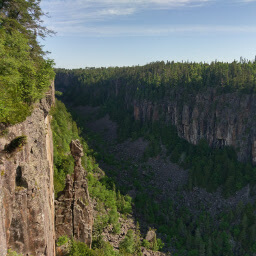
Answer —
(74, 214)
(226, 119)
(26, 185)
(223, 119)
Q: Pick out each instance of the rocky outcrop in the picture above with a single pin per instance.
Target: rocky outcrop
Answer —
(222, 119)
(26, 184)
(74, 214)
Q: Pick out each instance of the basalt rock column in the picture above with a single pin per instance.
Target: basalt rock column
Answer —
(74, 214)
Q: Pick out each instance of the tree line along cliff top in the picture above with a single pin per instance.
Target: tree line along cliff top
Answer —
(159, 79)
(25, 72)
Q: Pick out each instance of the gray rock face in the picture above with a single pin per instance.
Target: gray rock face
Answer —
(74, 211)
(151, 235)
(222, 119)
(26, 186)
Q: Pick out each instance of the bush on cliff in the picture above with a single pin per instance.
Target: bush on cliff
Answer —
(16, 144)
(10, 252)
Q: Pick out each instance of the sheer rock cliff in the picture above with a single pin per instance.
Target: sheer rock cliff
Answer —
(26, 185)
(222, 118)
(226, 119)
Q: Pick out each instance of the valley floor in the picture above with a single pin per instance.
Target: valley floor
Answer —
(161, 180)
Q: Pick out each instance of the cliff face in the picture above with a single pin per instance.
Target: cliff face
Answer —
(74, 214)
(26, 185)
(222, 119)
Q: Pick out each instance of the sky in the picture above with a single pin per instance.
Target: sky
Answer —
(103, 33)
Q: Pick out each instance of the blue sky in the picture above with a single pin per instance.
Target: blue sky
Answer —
(100, 33)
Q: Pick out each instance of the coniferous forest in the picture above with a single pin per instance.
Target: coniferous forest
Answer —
(114, 90)
(25, 73)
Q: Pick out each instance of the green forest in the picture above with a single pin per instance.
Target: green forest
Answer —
(25, 72)
(209, 168)
(159, 81)
(111, 204)
(114, 89)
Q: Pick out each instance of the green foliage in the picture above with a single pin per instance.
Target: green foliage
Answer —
(80, 249)
(64, 130)
(103, 248)
(156, 244)
(77, 248)
(62, 240)
(146, 244)
(231, 232)
(10, 252)
(157, 81)
(16, 144)
(4, 132)
(110, 203)
(127, 245)
(58, 93)
(210, 168)
(25, 75)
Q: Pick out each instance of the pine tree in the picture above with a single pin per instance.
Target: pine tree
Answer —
(137, 240)
(209, 248)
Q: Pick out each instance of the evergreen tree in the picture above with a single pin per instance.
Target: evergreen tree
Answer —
(24, 74)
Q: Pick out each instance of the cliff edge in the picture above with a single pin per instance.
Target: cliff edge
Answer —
(26, 184)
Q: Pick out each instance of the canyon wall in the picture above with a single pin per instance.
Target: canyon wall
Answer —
(222, 118)
(26, 184)
(227, 119)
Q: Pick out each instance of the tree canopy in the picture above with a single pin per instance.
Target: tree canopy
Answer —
(25, 74)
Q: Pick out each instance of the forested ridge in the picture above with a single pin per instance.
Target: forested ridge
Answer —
(159, 80)
(115, 90)
(231, 232)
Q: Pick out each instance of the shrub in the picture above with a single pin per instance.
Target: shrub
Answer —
(127, 245)
(16, 144)
(58, 93)
(80, 249)
(103, 248)
(3, 132)
(146, 243)
(62, 240)
(10, 252)
(156, 245)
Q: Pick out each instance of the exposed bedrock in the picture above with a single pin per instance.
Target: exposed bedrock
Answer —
(222, 119)
(74, 211)
(26, 184)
